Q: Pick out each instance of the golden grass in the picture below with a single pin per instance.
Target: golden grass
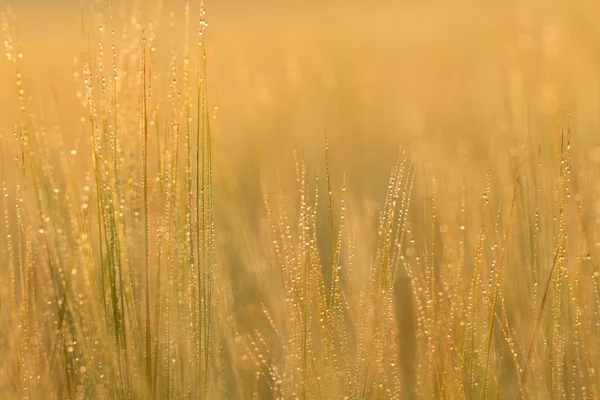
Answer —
(145, 254)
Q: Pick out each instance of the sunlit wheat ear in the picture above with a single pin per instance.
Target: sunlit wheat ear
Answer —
(8, 238)
(499, 281)
(579, 365)
(537, 325)
(474, 357)
(558, 298)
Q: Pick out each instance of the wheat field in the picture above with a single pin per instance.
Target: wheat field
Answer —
(299, 200)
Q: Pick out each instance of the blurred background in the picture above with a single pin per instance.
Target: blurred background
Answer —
(437, 78)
